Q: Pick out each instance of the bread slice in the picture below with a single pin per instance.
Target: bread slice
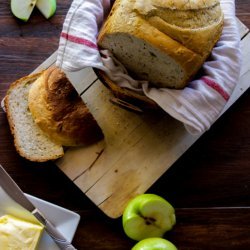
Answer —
(30, 141)
(162, 41)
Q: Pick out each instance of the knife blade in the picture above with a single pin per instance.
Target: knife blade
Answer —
(12, 189)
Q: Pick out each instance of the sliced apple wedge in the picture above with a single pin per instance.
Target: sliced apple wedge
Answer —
(46, 7)
(22, 9)
(147, 215)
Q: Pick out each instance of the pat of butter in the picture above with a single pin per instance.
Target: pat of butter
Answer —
(17, 234)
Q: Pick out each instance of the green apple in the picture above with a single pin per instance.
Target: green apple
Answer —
(22, 9)
(154, 244)
(146, 216)
(46, 7)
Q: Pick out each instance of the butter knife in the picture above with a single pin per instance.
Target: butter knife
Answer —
(12, 189)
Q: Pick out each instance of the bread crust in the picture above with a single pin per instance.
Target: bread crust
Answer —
(60, 112)
(178, 5)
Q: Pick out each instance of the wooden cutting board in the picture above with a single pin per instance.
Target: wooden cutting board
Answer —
(137, 149)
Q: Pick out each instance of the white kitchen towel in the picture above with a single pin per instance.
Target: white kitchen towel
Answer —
(197, 106)
(78, 46)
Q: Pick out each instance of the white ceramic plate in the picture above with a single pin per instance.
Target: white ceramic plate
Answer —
(65, 220)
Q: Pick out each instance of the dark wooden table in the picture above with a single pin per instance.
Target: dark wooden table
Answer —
(209, 185)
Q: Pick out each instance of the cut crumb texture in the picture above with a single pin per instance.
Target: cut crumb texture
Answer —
(149, 64)
(30, 140)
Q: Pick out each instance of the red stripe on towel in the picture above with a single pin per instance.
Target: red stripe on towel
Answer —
(216, 87)
(79, 40)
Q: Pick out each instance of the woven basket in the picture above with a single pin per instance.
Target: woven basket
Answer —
(125, 97)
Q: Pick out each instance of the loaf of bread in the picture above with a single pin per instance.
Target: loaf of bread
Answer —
(46, 113)
(60, 112)
(162, 41)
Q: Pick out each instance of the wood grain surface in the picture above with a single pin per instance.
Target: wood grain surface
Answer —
(209, 185)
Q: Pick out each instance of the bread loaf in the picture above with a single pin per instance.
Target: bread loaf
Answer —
(162, 41)
(46, 113)
(60, 112)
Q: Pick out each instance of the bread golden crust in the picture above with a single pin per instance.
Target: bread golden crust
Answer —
(195, 24)
(179, 5)
(184, 30)
(59, 111)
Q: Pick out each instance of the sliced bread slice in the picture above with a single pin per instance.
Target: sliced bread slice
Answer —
(30, 141)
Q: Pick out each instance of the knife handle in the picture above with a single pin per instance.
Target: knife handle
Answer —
(59, 239)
